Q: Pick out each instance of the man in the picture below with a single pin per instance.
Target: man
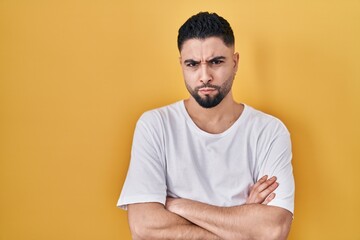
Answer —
(208, 167)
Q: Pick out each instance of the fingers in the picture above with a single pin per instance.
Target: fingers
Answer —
(269, 198)
(265, 185)
(262, 190)
(259, 182)
(266, 189)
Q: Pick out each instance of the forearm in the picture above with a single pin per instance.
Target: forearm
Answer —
(152, 221)
(183, 232)
(250, 221)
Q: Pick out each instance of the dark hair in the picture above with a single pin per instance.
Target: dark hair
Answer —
(204, 25)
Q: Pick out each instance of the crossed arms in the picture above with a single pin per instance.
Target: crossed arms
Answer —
(188, 219)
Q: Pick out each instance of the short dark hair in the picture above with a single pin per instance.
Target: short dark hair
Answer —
(204, 25)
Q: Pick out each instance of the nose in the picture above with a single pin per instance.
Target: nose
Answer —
(205, 74)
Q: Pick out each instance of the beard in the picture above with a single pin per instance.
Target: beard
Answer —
(211, 101)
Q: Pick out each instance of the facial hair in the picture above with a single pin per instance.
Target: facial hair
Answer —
(211, 101)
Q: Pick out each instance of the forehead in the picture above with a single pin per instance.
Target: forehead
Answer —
(203, 49)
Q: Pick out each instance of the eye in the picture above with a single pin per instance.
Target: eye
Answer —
(191, 64)
(216, 61)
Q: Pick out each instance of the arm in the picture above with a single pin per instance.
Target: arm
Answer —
(249, 221)
(152, 221)
(254, 220)
(144, 191)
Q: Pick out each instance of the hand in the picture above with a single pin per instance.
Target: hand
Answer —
(171, 204)
(263, 190)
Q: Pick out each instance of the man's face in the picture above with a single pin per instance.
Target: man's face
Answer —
(209, 68)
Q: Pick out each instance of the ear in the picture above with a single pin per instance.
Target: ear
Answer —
(180, 59)
(236, 61)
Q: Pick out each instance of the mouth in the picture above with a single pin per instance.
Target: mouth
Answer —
(207, 90)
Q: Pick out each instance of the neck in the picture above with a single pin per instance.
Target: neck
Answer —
(216, 119)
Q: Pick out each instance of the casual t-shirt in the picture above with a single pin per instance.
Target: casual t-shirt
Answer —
(173, 157)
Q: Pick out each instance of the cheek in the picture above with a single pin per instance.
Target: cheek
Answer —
(225, 73)
(187, 79)
(219, 76)
(189, 76)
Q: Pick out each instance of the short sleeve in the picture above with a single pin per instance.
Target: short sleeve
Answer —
(145, 180)
(276, 161)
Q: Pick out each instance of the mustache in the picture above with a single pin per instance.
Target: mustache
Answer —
(207, 85)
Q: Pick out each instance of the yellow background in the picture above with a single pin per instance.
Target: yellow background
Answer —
(75, 76)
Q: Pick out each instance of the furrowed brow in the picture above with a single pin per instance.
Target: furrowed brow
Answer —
(216, 59)
(190, 61)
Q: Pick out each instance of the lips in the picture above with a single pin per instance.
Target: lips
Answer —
(206, 90)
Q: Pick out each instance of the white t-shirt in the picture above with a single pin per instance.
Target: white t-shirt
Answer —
(171, 156)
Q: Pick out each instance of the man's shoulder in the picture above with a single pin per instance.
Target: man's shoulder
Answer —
(164, 113)
(263, 120)
(255, 113)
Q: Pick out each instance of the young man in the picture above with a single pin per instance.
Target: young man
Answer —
(208, 167)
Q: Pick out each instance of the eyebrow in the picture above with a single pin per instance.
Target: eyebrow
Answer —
(191, 61)
(210, 60)
(217, 58)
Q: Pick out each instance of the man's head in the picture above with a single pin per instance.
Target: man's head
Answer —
(207, 58)
(204, 25)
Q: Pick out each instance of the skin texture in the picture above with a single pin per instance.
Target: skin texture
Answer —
(209, 68)
(249, 221)
(155, 221)
(237, 222)
(219, 118)
(152, 221)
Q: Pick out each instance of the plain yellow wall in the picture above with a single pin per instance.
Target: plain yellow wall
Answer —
(76, 75)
